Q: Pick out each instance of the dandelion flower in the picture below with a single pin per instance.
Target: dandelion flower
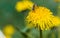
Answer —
(42, 18)
(8, 30)
(23, 5)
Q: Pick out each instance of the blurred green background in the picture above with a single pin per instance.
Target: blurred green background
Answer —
(9, 15)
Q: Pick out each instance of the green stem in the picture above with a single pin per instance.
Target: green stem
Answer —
(41, 33)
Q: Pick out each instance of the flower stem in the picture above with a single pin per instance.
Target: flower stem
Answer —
(40, 33)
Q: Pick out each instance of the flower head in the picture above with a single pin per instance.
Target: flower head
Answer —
(8, 30)
(23, 5)
(42, 18)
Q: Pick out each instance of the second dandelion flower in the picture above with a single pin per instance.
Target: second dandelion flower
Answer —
(23, 5)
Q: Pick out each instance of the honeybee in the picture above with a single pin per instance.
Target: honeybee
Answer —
(34, 6)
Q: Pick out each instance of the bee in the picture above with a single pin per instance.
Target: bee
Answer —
(34, 6)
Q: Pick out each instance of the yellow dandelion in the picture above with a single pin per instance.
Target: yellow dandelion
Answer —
(23, 5)
(8, 30)
(42, 18)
